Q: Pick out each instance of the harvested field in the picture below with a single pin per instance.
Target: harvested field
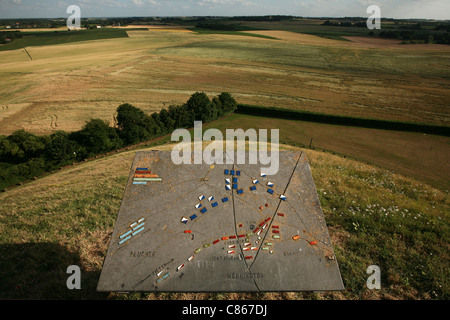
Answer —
(153, 69)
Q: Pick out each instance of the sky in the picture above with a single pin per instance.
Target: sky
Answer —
(400, 9)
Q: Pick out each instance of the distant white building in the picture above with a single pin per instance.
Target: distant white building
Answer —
(98, 27)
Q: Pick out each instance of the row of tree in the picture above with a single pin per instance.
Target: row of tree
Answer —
(410, 36)
(24, 155)
(7, 36)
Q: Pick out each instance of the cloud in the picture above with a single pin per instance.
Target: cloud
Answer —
(230, 3)
(138, 3)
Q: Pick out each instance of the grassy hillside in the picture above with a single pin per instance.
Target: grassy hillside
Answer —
(235, 33)
(416, 155)
(373, 215)
(58, 37)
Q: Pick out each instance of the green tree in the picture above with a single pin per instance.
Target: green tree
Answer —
(151, 126)
(130, 121)
(61, 149)
(228, 102)
(217, 108)
(200, 105)
(98, 137)
(128, 115)
(182, 117)
(22, 146)
(165, 117)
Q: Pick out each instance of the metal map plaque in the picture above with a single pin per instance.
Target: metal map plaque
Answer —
(219, 228)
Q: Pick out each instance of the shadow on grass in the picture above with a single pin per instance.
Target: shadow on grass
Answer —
(38, 271)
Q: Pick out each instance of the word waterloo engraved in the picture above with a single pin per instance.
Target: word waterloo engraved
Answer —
(219, 228)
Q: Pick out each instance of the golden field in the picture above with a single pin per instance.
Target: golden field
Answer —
(65, 85)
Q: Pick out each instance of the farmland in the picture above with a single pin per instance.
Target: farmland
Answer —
(45, 38)
(384, 193)
(152, 69)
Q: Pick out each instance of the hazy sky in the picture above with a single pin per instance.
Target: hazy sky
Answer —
(430, 9)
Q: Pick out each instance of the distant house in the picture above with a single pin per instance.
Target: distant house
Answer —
(8, 27)
(7, 40)
(98, 27)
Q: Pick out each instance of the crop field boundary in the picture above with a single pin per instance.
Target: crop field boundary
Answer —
(275, 112)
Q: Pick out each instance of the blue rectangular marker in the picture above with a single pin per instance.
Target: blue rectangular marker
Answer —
(235, 186)
(240, 191)
(270, 191)
(193, 216)
(227, 171)
(203, 210)
(238, 173)
(125, 234)
(225, 199)
(140, 182)
(214, 204)
(232, 172)
(137, 231)
(141, 169)
(253, 188)
(235, 180)
(137, 227)
(123, 240)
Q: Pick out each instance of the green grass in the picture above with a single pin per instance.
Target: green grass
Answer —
(234, 33)
(60, 37)
(393, 150)
(312, 27)
(369, 62)
(394, 223)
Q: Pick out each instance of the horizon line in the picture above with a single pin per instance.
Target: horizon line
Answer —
(230, 16)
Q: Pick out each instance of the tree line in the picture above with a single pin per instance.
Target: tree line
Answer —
(24, 155)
